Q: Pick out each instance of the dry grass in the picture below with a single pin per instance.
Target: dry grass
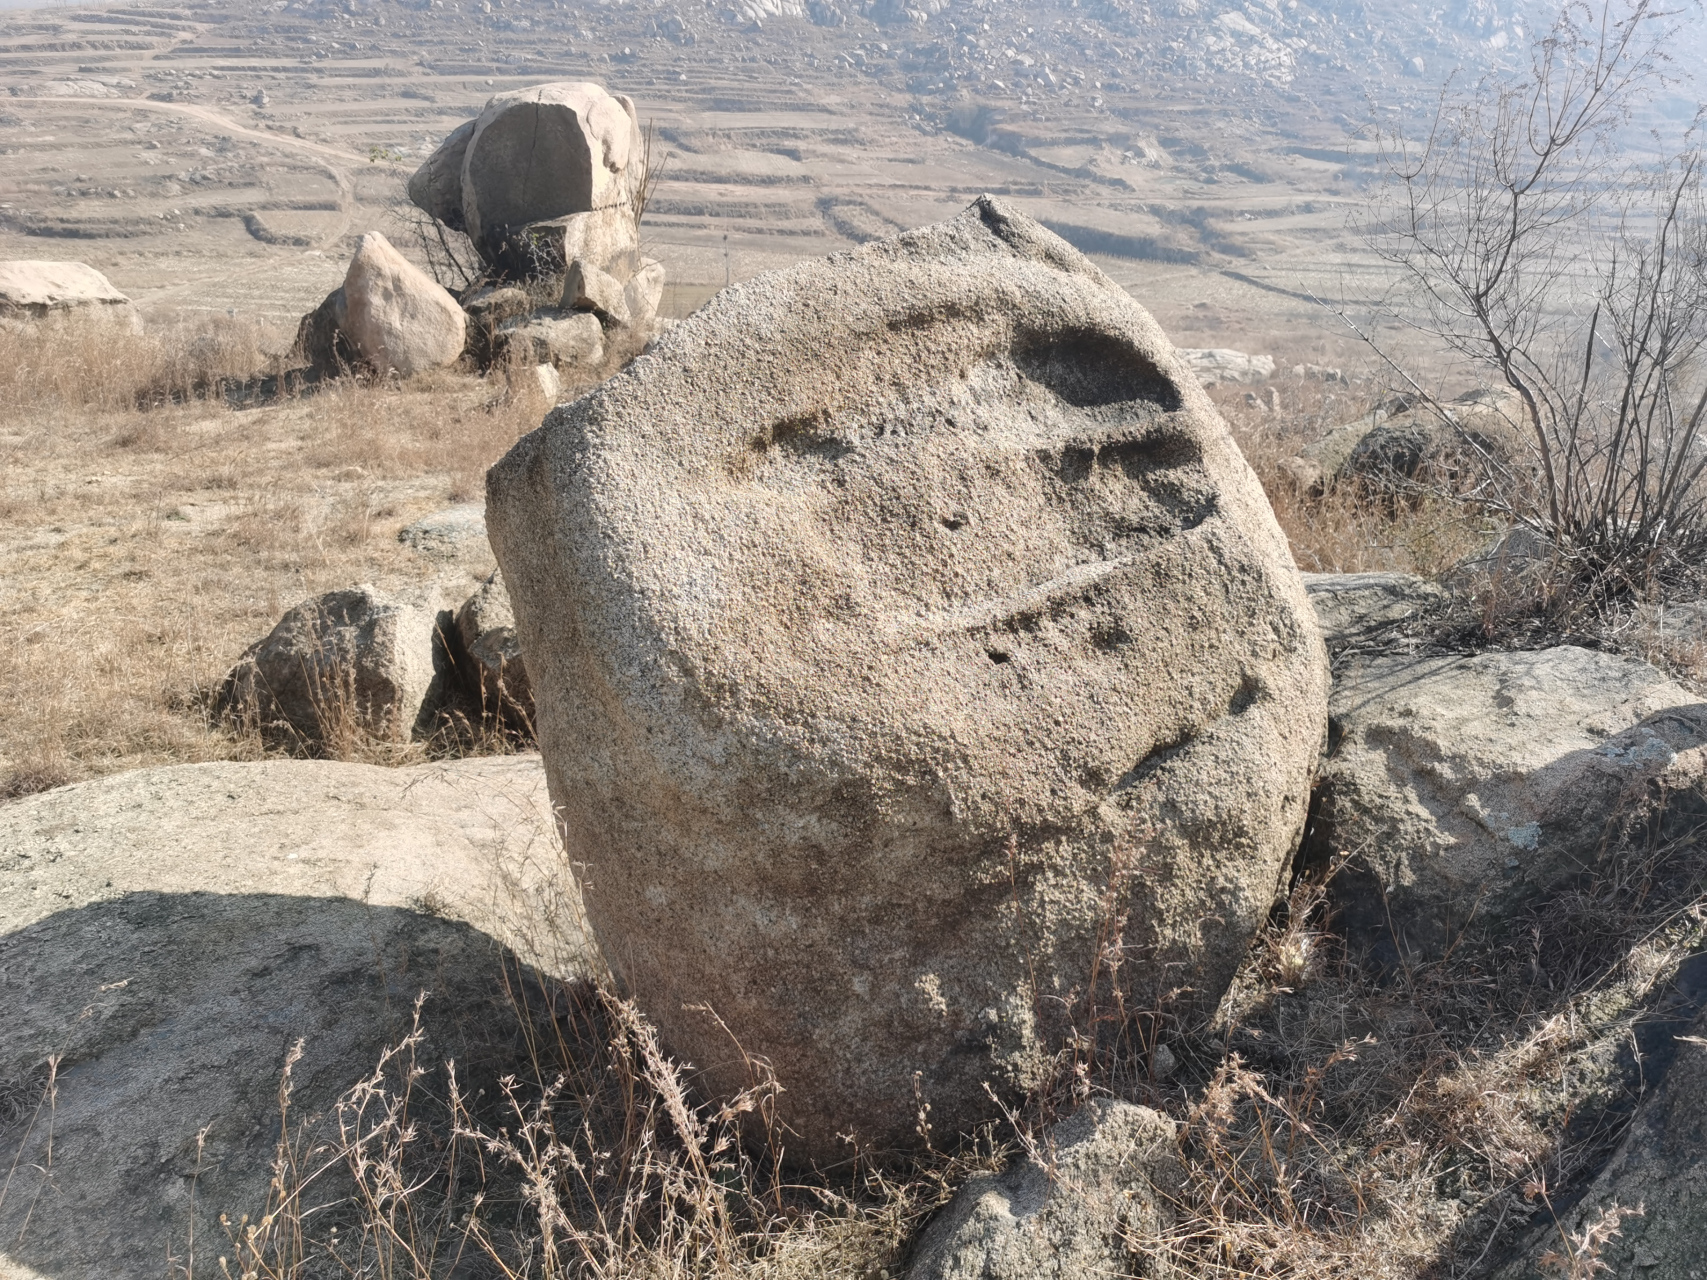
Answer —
(156, 518)
(1348, 529)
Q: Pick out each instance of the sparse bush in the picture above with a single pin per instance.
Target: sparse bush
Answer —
(1526, 242)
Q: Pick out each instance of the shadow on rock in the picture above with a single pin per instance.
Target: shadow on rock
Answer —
(134, 1025)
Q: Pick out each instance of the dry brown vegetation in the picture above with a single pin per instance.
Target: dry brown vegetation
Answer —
(161, 506)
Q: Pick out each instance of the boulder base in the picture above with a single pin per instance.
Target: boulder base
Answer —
(901, 622)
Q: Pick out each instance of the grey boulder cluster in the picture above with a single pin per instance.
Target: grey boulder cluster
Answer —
(546, 183)
(362, 664)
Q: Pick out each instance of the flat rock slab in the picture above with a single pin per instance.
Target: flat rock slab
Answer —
(452, 532)
(1355, 606)
(1465, 785)
(169, 934)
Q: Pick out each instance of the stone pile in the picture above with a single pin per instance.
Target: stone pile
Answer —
(875, 645)
(546, 182)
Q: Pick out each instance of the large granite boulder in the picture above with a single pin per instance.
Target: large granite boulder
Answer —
(901, 625)
(1465, 786)
(551, 153)
(169, 935)
(343, 666)
(1083, 1203)
(60, 295)
(397, 317)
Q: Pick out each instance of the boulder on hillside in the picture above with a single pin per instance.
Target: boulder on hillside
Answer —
(62, 293)
(872, 643)
(355, 662)
(643, 293)
(1100, 1185)
(1419, 444)
(1467, 785)
(497, 677)
(396, 316)
(169, 935)
(1214, 365)
(388, 315)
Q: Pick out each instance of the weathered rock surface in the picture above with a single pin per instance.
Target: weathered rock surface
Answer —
(396, 316)
(60, 293)
(875, 622)
(498, 678)
(1103, 1186)
(1659, 1168)
(355, 661)
(171, 933)
(1355, 606)
(1467, 784)
(547, 152)
(565, 340)
(1214, 365)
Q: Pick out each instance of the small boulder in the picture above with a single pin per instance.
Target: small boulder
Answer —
(1421, 445)
(497, 678)
(1083, 1204)
(1467, 785)
(566, 340)
(586, 288)
(1214, 365)
(455, 531)
(347, 662)
(643, 294)
(1356, 606)
(62, 294)
(397, 317)
(868, 638)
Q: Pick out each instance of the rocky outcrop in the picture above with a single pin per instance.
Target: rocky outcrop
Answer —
(348, 663)
(1082, 1204)
(1214, 365)
(1465, 786)
(546, 185)
(169, 934)
(60, 294)
(884, 651)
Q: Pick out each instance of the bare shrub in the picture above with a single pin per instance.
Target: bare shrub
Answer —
(1528, 243)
